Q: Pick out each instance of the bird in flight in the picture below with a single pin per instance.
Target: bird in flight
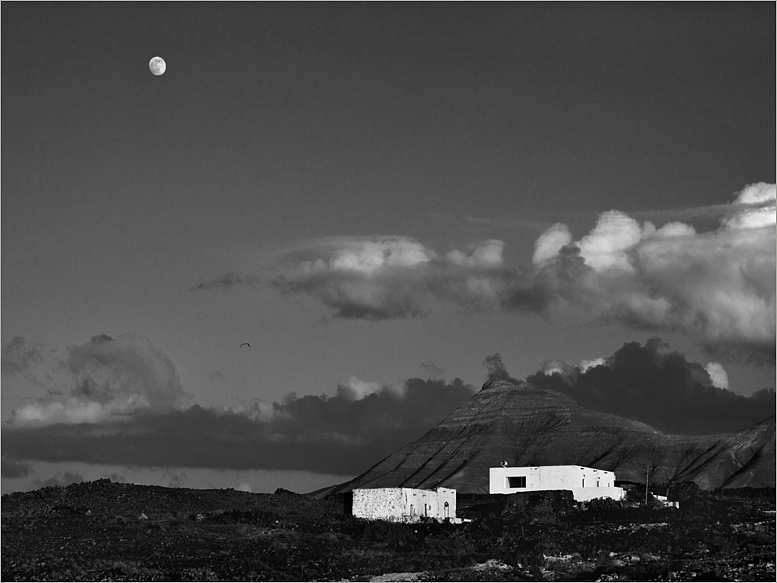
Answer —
(245, 344)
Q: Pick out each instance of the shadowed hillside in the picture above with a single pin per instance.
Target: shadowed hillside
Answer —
(524, 426)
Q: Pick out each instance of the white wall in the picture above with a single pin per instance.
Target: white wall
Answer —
(378, 503)
(585, 483)
(446, 495)
(403, 503)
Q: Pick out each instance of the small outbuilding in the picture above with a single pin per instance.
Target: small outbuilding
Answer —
(403, 504)
(584, 483)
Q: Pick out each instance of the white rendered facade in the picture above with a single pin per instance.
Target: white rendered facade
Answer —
(404, 504)
(584, 483)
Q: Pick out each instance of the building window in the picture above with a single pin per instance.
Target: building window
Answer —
(516, 482)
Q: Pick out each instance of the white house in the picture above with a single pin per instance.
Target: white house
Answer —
(584, 483)
(404, 504)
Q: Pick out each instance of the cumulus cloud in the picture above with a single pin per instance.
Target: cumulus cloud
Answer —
(550, 367)
(496, 368)
(354, 389)
(394, 277)
(756, 208)
(30, 361)
(487, 254)
(20, 356)
(103, 379)
(586, 364)
(656, 385)
(718, 374)
(342, 434)
(718, 287)
(551, 242)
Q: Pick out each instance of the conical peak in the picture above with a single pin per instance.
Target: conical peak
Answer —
(506, 384)
(514, 385)
(523, 391)
(528, 426)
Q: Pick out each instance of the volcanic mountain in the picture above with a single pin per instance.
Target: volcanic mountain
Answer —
(526, 426)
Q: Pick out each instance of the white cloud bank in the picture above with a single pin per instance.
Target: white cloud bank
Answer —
(716, 287)
(103, 379)
(392, 277)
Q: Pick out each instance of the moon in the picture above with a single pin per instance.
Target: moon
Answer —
(157, 66)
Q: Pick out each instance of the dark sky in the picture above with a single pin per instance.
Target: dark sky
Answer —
(360, 191)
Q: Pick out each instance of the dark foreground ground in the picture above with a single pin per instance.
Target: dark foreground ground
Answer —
(122, 532)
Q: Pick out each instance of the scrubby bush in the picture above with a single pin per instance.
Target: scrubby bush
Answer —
(290, 537)
(603, 505)
(636, 495)
(397, 535)
(601, 510)
(537, 507)
(456, 544)
(676, 490)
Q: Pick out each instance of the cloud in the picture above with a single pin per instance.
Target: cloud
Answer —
(340, 434)
(175, 477)
(228, 281)
(713, 212)
(355, 389)
(486, 255)
(496, 368)
(59, 479)
(394, 277)
(718, 374)
(586, 364)
(717, 287)
(757, 208)
(656, 385)
(551, 242)
(432, 369)
(15, 469)
(20, 355)
(102, 379)
(243, 487)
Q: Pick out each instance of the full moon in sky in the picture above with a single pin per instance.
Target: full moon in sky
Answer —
(157, 65)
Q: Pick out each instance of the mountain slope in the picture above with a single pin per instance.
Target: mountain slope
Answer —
(524, 426)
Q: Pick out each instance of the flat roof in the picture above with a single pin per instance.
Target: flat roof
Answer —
(557, 466)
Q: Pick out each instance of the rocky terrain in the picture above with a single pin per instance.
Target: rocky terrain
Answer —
(120, 532)
(103, 531)
(527, 426)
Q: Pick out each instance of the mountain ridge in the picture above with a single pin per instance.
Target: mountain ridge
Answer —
(526, 426)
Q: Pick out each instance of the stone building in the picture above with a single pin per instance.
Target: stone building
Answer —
(584, 483)
(402, 504)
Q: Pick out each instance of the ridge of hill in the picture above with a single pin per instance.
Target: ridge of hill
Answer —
(527, 426)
